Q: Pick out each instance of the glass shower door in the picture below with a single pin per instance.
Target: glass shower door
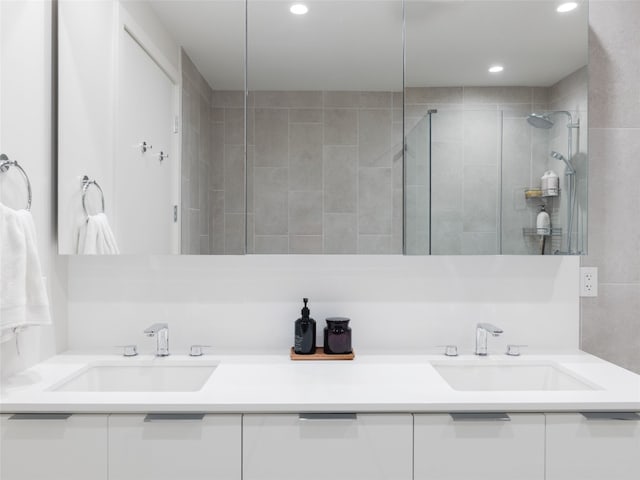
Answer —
(453, 168)
(417, 193)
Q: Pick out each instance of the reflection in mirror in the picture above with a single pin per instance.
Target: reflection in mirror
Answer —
(146, 89)
(336, 158)
(474, 159)
(325, 127)
(211, 37)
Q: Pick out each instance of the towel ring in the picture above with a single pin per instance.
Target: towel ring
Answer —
(6, 164)
(86, 183)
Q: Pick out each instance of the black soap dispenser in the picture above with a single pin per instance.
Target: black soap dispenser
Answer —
(305, 332)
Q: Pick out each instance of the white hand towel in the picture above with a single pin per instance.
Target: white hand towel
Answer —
(23, 293)
(96, 237)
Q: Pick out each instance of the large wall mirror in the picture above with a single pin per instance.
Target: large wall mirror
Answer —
(334, 127)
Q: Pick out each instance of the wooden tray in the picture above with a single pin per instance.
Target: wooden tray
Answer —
(320, 355)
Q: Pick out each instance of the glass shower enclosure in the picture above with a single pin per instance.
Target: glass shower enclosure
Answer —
(472, 177)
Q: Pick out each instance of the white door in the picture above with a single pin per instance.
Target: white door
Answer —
(145, 185)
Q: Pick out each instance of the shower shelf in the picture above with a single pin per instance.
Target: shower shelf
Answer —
(537, 193)
(550, 232)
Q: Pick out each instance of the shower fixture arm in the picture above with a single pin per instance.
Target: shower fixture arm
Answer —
(543, 120)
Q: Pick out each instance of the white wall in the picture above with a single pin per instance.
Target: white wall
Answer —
(26, 136)
(86, 100)
(395, 303)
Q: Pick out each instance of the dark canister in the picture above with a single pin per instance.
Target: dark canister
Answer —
(337, 336)
(305, 332)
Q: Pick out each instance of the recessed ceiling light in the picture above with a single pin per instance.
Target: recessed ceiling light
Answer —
(567, 7)
(496, 69)
(298, 9)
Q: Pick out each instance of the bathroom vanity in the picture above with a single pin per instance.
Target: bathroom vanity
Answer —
(550, 417)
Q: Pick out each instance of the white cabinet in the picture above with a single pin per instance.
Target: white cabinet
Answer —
(479, 446)
(181, 446)
(327, 446)
(53, 447)
(579, 448)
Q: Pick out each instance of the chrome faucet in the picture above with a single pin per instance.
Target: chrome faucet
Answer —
(482, 329)
(161, 332)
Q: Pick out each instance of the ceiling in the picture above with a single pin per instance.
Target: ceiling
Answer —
(357, 44)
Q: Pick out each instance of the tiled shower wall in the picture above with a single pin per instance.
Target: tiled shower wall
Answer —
(611, 322)
(479, 136)
(570, 94)
(481, 140)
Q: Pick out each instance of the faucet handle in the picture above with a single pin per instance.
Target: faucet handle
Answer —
(514, 350)
(196, 350)
(449, 350)
(128, 350)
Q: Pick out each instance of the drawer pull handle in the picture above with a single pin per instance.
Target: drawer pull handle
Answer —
(327, 416)
(480, 417)
(625, 416)
(163, 417)
(40, 416)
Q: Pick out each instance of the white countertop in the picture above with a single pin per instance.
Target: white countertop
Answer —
(370, 383)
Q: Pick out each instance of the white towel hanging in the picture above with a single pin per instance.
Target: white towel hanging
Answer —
(23, 293)
(96, 237)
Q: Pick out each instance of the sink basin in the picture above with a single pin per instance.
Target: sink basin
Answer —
(138, 378)
(495, 377)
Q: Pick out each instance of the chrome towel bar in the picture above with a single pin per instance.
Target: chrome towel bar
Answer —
(6, 164)
(86, 183)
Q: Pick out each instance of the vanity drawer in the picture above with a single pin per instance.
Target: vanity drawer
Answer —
(579, 448)
(53, 447)
(481, 446)
(169, 447)
(321, 446)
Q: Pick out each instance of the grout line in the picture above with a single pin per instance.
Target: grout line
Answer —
(357, 217)
(324, 193)
(288, 180)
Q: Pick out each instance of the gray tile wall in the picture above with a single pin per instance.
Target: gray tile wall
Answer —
(324, 174)
(227, 180)
(197, 166)
(213, 193)
(610, 323)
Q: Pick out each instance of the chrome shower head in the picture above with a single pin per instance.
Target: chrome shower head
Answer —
(540, 120)
(543, 120)
(558, 156)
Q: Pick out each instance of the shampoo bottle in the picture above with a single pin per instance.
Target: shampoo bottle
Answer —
(543, 222)
(550, 184)
(305, 332)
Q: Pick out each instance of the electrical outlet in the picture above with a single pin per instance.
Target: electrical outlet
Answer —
(589, 281)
